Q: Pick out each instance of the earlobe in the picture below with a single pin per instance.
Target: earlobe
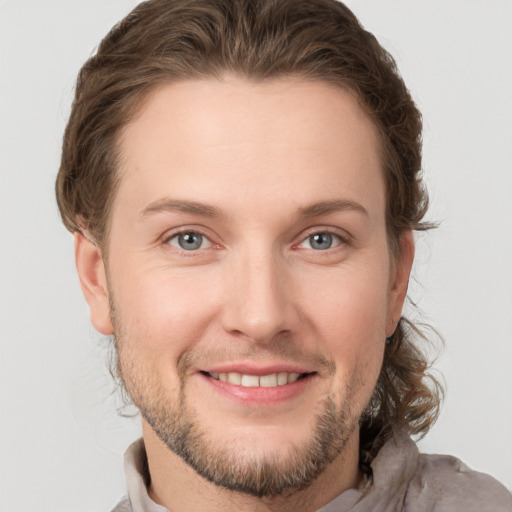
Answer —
(91, 272)
(400, 281)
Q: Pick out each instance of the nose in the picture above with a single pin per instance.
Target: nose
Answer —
(259, 303)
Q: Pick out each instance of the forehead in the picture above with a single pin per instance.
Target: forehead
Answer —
(282, 139)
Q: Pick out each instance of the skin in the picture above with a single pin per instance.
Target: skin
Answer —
(257, 169)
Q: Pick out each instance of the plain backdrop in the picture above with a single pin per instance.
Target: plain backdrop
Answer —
(61, 439)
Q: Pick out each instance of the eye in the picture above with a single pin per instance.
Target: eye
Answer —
(189, 241)
(321, 241)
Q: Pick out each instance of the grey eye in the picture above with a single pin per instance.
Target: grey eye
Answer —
(321, 241)
(189, 241)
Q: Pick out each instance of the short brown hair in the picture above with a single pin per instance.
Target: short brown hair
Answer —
(162, 41)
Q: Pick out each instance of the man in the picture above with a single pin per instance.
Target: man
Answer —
(242, 178)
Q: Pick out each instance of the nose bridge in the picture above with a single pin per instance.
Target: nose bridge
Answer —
(258, 304)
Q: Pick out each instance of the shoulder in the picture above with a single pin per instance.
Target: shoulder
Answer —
(123, 506)
(406, 480)
(449, 485)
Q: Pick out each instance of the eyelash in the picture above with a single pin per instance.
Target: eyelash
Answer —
(343, 240)
(167, 240)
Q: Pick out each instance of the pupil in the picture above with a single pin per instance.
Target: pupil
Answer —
(321, 241)
(190, 241)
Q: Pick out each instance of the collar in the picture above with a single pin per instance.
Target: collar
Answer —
(393, 468)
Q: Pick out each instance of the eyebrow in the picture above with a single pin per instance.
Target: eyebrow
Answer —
(313, 210)
(333, 206)
(171, 205)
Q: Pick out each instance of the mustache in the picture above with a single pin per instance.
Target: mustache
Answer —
(281, 350)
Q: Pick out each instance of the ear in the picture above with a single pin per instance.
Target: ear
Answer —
(91, 272)
(401, 269)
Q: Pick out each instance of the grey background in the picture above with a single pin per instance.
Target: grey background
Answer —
(61, 439)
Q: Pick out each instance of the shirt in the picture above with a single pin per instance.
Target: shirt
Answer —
(403, 481)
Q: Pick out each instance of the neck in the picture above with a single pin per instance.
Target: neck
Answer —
(176, 486)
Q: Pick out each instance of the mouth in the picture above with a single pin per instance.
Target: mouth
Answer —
(271, 380)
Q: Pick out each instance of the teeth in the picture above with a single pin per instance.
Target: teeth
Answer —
(268, 381)
(253, 381)
(292, 377)
(250, 381)
(282, 379)
(235, 378)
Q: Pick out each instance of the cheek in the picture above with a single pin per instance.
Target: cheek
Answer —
(348, 309)
(347, 315)
(162, 310)
(159, 317)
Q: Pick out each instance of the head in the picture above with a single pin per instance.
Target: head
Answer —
(217, 73)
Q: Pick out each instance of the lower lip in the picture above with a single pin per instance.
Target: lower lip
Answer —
(260, 396)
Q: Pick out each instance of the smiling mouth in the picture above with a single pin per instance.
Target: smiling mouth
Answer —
(254, 381)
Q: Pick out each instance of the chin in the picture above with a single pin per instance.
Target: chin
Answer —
(259, 459)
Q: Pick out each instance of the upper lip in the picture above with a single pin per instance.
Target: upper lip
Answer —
(248, 368)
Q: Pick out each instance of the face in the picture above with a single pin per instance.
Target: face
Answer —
(249, 281)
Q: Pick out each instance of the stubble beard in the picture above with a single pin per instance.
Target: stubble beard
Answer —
(229, 467)
(233, 467)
